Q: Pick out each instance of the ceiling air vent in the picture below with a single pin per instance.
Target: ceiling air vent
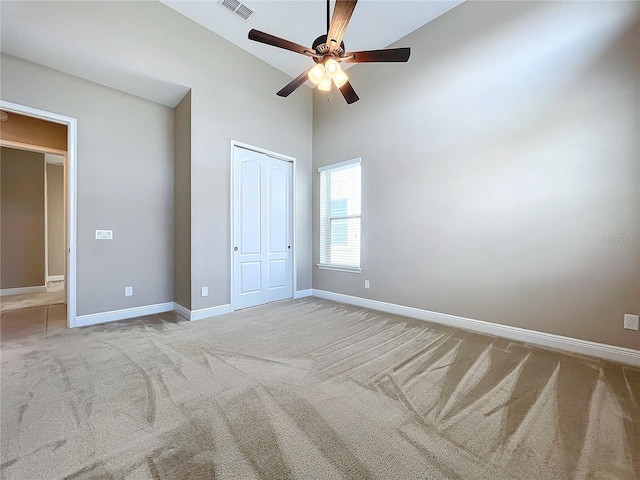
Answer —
(239, 9)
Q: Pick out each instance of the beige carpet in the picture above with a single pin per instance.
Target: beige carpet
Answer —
(309, 389)
(53, 296)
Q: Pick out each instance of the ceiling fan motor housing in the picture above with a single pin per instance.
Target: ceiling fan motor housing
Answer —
(321, 48)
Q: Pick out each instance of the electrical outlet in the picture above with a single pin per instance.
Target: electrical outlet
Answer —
(128, 291)
(366, 284)
(631, 322)
(205, 291)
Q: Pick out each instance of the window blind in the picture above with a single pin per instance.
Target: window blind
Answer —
(340, 201)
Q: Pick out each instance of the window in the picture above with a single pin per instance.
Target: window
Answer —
(340, 216)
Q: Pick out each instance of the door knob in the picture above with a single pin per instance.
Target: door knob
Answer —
(289, 246)
(235, 249)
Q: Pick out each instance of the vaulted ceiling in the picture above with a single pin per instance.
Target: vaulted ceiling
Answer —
(375, 24)
(72, 38)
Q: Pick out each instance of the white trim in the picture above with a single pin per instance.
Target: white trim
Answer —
(294, 244)
(278, 156)
(338, 268)
(23, 290)
(125, 313)
(49, 278)
(339, 165)
(182, 311)
(46, 223)
(193, 315)
(72, 188)
(303, 293)
(271, 153)
(210, 312)
(231, 221)
(583, 347)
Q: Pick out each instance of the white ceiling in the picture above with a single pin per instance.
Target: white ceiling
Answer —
(375, 24)
(92, 40)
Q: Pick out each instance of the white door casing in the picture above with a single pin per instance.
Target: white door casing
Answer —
(262, 228)
(70, 192)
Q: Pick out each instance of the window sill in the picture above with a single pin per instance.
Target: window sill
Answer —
(339, 268)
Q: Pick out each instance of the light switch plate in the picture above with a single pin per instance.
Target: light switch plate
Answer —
(366, 284)
(631, 322)
(104, 234)
(205, 291)
(128, 291)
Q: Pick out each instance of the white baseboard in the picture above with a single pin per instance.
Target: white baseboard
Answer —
(23, 290)
(55, 278)
(303, 293)
(584, 347)
(210, 312)
(202, 313)
(125, 313)
(182, 311)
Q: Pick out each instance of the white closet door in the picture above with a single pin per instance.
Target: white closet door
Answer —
(262, 250)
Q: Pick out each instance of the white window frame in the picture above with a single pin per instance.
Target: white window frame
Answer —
(335, 167)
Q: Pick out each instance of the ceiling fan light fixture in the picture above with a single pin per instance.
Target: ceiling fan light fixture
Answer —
(340, 78)
(332, 67)
(325, 84)
(317, 73)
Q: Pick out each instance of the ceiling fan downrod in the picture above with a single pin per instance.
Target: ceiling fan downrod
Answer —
(328, 20)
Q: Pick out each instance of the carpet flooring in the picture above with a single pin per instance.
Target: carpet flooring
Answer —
(309, 389)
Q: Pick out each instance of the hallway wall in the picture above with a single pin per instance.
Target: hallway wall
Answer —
(21, 218)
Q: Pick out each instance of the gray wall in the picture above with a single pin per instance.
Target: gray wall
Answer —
(494, 166)
(125, 183)
(182, 203)
(226, 103)
(55, 219)
(22, 218)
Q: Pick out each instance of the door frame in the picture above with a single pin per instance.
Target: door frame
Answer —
(46, 212)
(278, 156)
(71, 192)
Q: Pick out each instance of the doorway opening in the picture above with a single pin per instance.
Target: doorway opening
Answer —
(262, 226)
(38, 290)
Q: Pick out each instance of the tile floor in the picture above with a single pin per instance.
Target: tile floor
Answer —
(30, 321)
(53, 295)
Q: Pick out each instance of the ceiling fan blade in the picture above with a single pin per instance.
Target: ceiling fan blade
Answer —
(293, 84)
(341, 15)
(268, 39)
(388, 55)
(349, 93)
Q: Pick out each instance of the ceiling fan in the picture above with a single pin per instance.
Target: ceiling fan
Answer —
(328, 52)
